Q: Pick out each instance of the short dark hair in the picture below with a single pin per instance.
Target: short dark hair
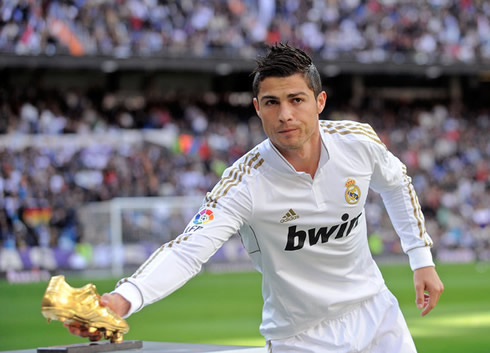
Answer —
(283, 60)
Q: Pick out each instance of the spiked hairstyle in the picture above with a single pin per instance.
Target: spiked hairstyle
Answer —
(282, 60)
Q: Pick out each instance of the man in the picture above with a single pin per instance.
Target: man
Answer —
(297, 200)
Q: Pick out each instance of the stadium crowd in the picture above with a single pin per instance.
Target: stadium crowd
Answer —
(93, 144)
(445, 147)
(364, 30)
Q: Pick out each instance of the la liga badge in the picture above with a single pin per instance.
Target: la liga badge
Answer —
(204, 216)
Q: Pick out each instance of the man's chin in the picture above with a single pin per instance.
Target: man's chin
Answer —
(287, 146)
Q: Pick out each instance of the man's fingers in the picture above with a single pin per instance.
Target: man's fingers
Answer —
(77, 329)
(433, 298)
(422, 301)
(74, 330)
(104, 300)
(95, 336)
(419, 296)
(428, 308)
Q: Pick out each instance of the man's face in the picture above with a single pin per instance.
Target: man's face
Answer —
(289, 111)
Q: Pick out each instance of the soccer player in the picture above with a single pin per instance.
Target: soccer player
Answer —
(297, 200)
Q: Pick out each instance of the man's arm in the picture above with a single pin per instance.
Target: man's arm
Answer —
(223, 212)
(175, 262)
(417, 245)
(390, 179)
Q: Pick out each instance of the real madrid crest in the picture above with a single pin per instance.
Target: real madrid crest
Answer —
(352, 193)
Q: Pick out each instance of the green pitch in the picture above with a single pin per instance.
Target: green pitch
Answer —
(226, 309)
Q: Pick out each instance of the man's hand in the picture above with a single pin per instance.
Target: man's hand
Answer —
(425, 280)
(115, 302)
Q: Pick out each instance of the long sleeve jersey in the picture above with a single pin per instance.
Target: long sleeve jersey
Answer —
(307, 236)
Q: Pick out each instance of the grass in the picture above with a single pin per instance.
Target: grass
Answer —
(226, 309)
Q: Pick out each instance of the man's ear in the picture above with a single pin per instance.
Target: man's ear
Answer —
(256, 106)
(320, 101)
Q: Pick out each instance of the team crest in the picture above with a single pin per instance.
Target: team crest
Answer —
(352, 193)
(204, 216)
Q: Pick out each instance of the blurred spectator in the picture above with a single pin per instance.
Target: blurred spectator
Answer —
(42, 185)
(369, 30)
(445, 147)
(446, 150)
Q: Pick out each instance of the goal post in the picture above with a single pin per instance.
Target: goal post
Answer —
(123, 232)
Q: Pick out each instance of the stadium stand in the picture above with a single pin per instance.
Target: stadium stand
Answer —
(43, 186)
(65, 141)
(374, 30)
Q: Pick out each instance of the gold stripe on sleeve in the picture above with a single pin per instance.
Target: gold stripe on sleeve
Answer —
(352, 125)
(351, 128)
(235, 179)
(417, 211)
(147, 262)
(177, 240)
(221, 184)
(243, 168)
(259, 163)
(229, 178)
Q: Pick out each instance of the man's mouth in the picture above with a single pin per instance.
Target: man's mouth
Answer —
(287, 130)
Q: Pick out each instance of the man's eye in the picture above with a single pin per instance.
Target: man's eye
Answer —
(297, 100)
(271, 102)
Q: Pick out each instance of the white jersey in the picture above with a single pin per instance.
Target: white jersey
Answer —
(307, 236)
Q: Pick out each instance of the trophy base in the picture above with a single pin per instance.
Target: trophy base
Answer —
(92, 347)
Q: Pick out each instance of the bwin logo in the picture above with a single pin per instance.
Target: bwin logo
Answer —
(296, 239)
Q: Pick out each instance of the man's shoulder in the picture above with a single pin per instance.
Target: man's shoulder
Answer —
(247, 165)
(349, 131)
(237, 180)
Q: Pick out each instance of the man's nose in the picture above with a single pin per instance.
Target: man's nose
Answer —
(285, 113)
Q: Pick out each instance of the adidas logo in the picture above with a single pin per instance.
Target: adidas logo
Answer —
(289, 216)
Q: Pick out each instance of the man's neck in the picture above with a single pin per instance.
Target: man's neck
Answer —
(305, 159)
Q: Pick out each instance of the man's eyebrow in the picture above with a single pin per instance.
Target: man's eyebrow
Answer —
(301, 93)
(268, 97)
(291, 95)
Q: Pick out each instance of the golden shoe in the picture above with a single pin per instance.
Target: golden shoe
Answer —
(67, 304)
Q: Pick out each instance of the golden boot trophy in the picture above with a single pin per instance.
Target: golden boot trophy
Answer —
(67, 304)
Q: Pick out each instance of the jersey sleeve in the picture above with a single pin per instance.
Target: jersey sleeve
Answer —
(223, 212)
(391, 181)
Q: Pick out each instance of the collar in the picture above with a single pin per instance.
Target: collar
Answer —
(280, 164)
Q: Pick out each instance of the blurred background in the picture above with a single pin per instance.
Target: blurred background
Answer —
(117, 116)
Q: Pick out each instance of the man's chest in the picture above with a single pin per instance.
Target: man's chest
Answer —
(296, 210)
(338, 188)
